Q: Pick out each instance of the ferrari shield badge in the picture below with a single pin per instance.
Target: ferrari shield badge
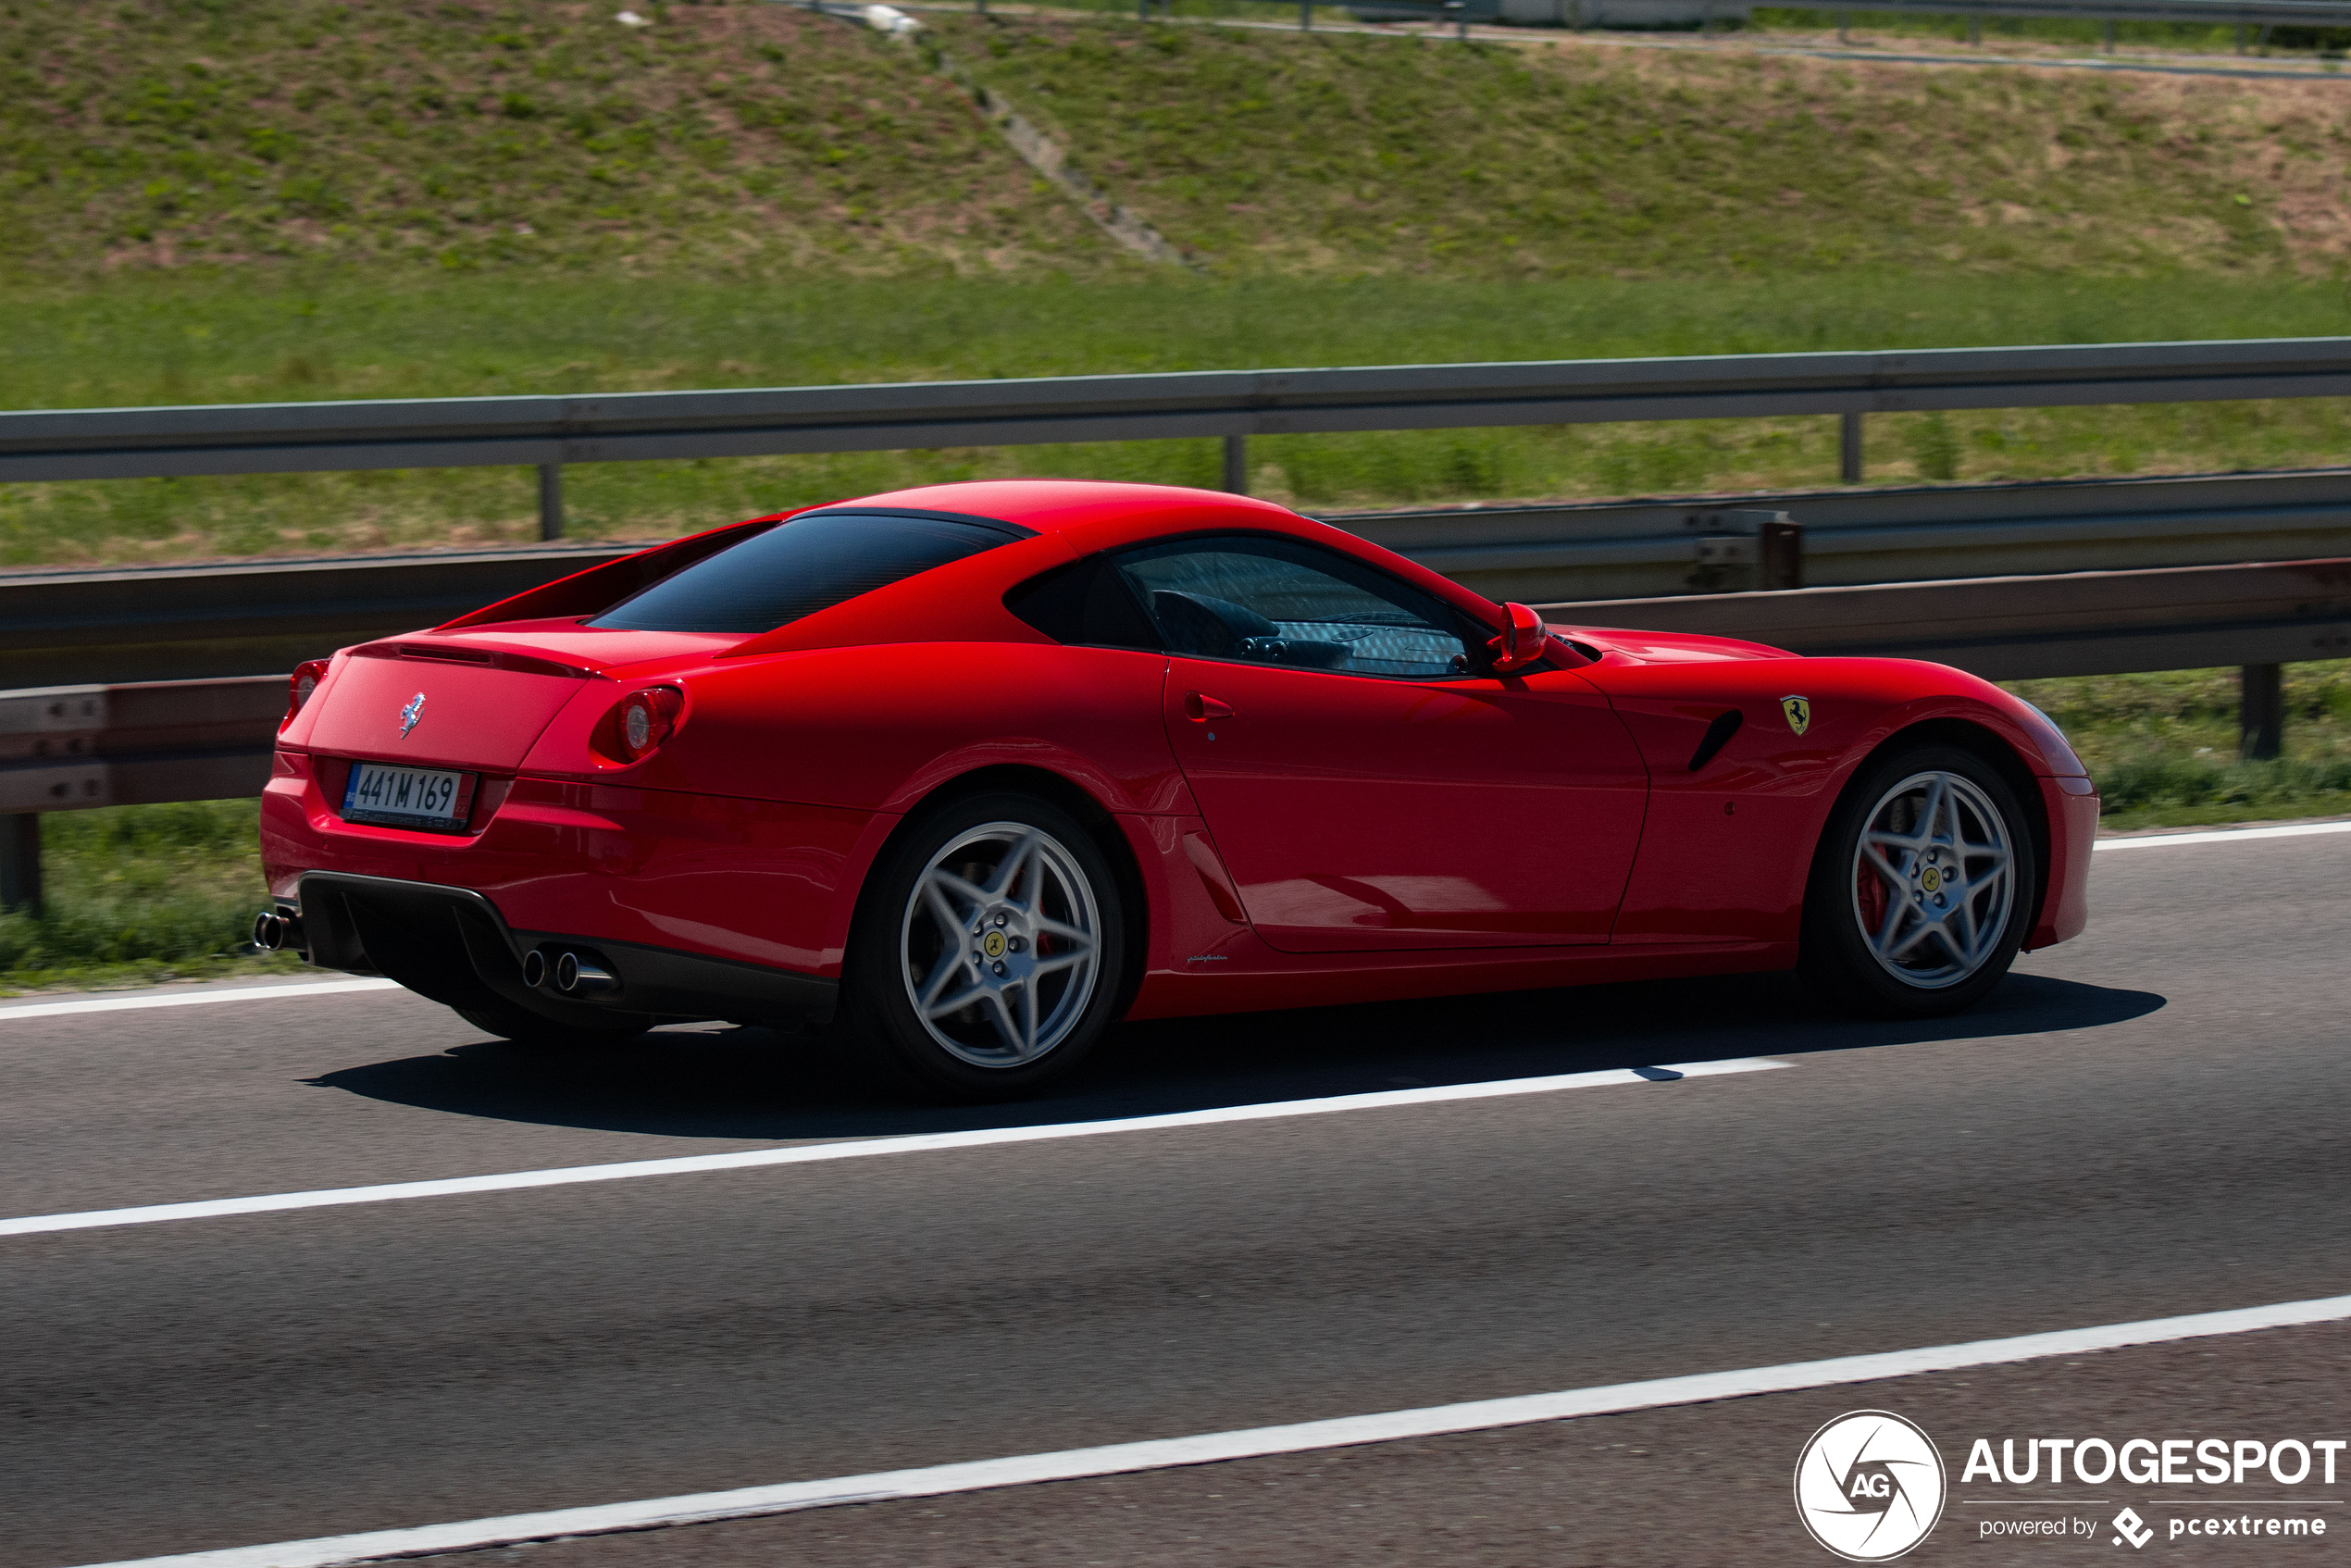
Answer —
(1800, 712)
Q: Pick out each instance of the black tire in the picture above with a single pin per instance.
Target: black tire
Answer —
(544, 1036)
(1044, 970)
(1893, 935)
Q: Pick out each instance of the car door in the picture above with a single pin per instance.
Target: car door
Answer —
(1368, 785)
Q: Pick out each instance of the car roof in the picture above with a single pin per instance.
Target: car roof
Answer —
(1094, 514)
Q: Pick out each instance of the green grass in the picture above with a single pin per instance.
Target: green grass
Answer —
(139, 894)
(2075, 36)
(1267, 151)
(300, 200)
(433, 135)
(2163, 747)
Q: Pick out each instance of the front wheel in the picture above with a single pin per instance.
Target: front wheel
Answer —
(989, 950)
(1922, 887)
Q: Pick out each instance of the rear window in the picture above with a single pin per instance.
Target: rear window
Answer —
(797, 569)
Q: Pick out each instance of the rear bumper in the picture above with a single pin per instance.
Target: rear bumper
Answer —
(451, 945)
(2073, 808)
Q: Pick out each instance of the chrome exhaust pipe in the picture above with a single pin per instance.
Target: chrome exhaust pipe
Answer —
(273, 932)
(574, 978)
(534, 968)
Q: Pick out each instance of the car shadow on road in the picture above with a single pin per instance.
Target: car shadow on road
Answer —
(735, 1083)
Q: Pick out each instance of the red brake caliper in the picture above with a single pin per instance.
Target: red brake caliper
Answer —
(1868, 893)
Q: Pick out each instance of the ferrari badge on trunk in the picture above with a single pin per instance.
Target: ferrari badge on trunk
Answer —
(1798, 711)
(416, 710)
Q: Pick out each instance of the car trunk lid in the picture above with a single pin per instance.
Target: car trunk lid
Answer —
(476, 701)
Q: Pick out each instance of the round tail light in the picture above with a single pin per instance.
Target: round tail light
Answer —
(305, 680)
(639, 723)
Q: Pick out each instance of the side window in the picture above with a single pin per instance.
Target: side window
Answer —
(1084, 604)
(1274, 600)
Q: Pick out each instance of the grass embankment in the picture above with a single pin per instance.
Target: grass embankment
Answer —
(304, 201)
(428, 134)
(2029, 36)
(2163, 747)
(146, 893)
(139, 894)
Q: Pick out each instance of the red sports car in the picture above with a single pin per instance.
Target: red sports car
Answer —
(983, 767)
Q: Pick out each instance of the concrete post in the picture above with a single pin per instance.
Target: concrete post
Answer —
(2260, 712)
(1849, 449)
(1237, 465)
(20, 862)
(550, 501)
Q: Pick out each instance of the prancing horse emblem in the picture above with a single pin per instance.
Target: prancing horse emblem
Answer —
(416, 710)
(1798, 711)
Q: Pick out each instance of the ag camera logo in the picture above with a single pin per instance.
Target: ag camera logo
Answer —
(1870, 1486)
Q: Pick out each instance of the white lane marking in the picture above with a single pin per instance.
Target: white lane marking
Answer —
(194, 999)
(867, 1148)
(1119, 1459)
(2223, 836)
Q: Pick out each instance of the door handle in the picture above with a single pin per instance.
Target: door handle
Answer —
(1199, 708)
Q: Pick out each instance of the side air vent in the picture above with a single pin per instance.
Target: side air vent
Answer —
(1718, 735)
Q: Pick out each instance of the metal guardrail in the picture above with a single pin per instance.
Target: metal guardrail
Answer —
(147, 623)
(2207, 13)
(70, 748)
(99, 444)
(1647, 548)
(2025, 627)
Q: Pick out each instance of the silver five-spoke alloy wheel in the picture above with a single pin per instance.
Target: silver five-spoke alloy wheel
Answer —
(1934, 878)
(1000, 944)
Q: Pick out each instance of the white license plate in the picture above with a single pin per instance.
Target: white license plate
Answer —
(429, 798)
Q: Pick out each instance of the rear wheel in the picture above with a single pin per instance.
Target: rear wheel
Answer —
(988, 950)
(1922, 886)
(542, 1036)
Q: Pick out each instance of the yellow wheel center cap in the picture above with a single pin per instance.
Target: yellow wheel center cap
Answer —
(994, 945)
(1931, 879)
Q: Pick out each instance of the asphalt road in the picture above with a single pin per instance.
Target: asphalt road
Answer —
(2147, 1121)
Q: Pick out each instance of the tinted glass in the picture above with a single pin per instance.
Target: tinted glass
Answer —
(797, 569)
(1084, 604)
(1269, 601)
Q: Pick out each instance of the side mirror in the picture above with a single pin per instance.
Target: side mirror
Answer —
(1521, 645)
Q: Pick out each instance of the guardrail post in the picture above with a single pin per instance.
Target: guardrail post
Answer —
(1237, 465)
(1848, 448)
(20, 862)
(550, 501)
(1975, 28)
(1780, 562)
(2260, 712)
(1842, 18)
(1305, 15)
(2110, 35)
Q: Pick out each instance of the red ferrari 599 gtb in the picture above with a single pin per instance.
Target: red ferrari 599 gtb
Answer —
(985, 768)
